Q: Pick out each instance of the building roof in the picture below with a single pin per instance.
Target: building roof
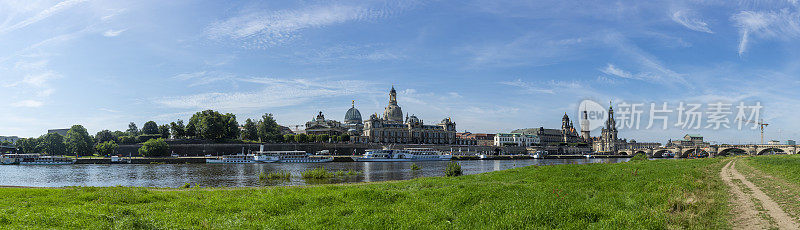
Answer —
(353, 116)
(694, 135)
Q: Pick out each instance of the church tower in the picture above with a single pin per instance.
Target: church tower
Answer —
(393, 112)
(585, 132)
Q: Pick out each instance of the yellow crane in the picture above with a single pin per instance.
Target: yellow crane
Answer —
(761, 124)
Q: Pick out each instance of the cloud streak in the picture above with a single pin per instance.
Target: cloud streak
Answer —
(113, 33)
(61, 6)
(275, 93)
(782, 25)
(687, 19)
(265, 29)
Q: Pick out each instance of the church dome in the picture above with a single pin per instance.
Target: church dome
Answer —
(353, 116)
(393, 113)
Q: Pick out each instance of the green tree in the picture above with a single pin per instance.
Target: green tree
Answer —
(164, 131)
(312, 138)
(213, 125)
(268, 129)
(127, 140)
(28, 145)
(154, 148)
(233, 130)
(301, 138)
(191, 130)
(324, 138)
(345, 137)
(53, 144)
(250, 132)
(104, 136)
(79, 142)
(133, 130)
(178, 129)
(118, 134)
(106, 148)
(150, 128)
(288, 138)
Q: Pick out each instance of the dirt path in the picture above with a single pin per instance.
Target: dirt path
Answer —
(746, 210)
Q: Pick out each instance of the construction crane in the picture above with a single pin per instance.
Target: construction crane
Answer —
(760, 123)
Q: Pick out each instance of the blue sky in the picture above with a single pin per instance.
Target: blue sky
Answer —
(492, 66)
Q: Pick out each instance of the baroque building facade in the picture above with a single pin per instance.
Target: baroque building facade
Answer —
(320, 125)
(608, 141)
(392, 128)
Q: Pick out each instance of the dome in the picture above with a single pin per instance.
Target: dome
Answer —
(353, 116)
(393, 113)
(413, 119)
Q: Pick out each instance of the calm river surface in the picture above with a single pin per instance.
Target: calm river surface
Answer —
(242, 175)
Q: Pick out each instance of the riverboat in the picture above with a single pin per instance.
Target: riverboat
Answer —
(409, 154)
(292, 157)
(47, 160)
(238, 159)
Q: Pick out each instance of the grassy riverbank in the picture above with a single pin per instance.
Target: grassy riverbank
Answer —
(638, 195)
(778, 177)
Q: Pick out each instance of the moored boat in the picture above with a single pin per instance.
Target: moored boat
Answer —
(410, 154)
(293, 157)
(236, 159)
(47, 160)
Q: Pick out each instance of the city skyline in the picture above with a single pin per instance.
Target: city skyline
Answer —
(493, 66)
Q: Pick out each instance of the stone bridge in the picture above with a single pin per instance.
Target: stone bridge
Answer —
(714, 150)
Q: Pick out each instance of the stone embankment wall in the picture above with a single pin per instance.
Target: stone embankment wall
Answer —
(202, 148)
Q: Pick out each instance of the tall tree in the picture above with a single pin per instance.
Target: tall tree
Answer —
(250, 132)
(79, 142)
(106, 148)
(28, 145)
(164, 131)
(133, 130)
(178, 129)
(53, 144)
(268, 129)
(154, 148)
(213, 125)
(232, 131)
(150, 128)
(104, 136)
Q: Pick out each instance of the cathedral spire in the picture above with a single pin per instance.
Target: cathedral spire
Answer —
(393, 96)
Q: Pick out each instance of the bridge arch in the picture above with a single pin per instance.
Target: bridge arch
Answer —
(771, 151)
(694, 152)
(640, 152)
(732, 151)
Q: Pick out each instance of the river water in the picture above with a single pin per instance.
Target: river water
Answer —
(243, 175)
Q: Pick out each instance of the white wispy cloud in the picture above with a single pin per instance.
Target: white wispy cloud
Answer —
(113, 33)
(28, 103)
(689, 20)
(613, 70)
(546, 87)
(264, 29)
(274, 93)
(61, 6)
(651, 68)
(204, 77)
(782, 24)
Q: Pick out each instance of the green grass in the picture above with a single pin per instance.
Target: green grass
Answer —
(783, 166)
(660, 194)
(778, 176)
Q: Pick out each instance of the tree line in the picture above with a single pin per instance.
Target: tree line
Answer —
(204, 125)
